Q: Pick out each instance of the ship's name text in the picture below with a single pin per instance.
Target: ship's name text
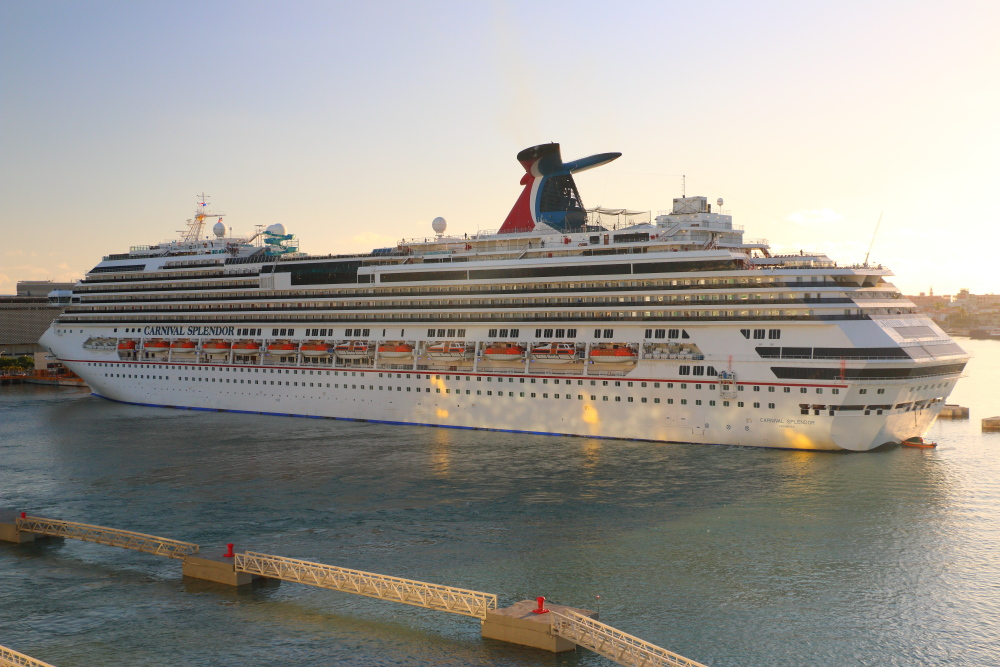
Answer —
(191, 331)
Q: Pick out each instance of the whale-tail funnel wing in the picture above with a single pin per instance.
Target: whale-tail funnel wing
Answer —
(550, 195)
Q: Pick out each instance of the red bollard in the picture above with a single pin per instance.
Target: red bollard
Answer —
(229, 554)
(24, 515)
(541, 606)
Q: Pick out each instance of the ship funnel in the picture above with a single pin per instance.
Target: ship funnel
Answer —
(550, 195)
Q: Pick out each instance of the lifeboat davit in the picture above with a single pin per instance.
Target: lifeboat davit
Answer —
(555, 353)
(504, 352)
(397, 351)
(354, 349)
(613, 355)
(316, 349)
(216, 348)
(447, 351)
(183, 347)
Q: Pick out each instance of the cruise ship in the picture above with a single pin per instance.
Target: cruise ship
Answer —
(604, 323)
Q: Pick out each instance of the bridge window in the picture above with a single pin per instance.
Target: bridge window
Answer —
(758, 334)
(774, 334)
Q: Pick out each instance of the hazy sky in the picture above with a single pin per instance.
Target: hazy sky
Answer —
(356, 124)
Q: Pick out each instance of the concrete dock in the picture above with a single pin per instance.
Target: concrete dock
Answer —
(950, 411)
(991, 424)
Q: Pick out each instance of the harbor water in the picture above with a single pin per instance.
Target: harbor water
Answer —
(730, 556)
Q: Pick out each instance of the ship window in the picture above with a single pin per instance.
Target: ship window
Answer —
(758, 334)
(774, 334)
(699, 370)
(451, 333)
(864, 391)
(504, 333)
(597, 333)
(819, 390)
(835, 391)
(492, 333)
(440, 333)
(684, 370)
(661, 333)
(560, 333)
(548, 333)
(322, 333)
(673, 333)
(649, 333)
(430, 333)
(609, 333)
(514, 333)
(803, 390)
(771, 406)
(746, 333)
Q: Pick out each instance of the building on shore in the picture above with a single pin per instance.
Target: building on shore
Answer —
(961, 312)
(26, 316)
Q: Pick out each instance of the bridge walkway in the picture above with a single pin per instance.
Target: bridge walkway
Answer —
(11, 658)
(113, 537)
(407, 591)
(614, 644)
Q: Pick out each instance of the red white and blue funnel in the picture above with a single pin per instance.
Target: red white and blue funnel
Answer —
(550, 195)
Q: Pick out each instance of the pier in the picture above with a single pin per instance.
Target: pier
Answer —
(11, 658)
(950, 411)
(554, 628)
(991, 423)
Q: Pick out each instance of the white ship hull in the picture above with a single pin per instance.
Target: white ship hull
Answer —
(579, 405)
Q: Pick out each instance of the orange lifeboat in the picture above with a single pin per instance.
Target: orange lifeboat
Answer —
(316, 349)
(126, 345)
(395, 351)
(246, 347)
(183, 347)
(612, 355)
(555, 353)
(281, 347)
(504, 352)
(447, 351)
(352, 349)
(156, 348)
(216, 348)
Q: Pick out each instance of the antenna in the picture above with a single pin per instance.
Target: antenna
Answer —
(873, 239)
(684, 186)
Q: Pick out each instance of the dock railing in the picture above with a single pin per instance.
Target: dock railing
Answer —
(112, 537)
(417, 593)
(11, 658)
(614, 644)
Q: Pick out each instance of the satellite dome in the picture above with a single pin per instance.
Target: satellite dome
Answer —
(219, 229)
(277, 229)
(439, 225)
(719, 202)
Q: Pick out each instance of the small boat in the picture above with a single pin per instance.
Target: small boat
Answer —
(125, 345)
(281, 347)
(156, 347)
(612, 355)
(246, 347)
(316, 349)
(919, 443)
(183, 348)
(555, 353)
(216, 348)
(503, 352)
(395, 351)
(352, 349)
(447, 351)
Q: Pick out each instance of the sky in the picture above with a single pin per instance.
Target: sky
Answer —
(355, 124)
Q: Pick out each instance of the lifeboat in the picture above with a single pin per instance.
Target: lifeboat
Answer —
(316, 349)
(126, 345)
(183, 347)
(156, 347)
(216, 348)
(504, 352)
(352, 349)
(280, 347)
(555, 353)
(246, 347)
(447, 351)
(612, 355)
(395, 351)
(919, 443)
